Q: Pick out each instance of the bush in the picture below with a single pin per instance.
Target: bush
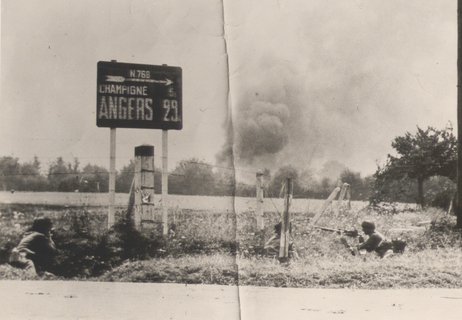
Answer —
(77, 244)
(441, 234)
(84, 250)
(130, 243)
(87, 249)
(439, 192)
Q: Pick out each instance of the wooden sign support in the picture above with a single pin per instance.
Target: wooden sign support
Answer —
(285, 223)
(112, 178)
(164, 182)
(144, 185)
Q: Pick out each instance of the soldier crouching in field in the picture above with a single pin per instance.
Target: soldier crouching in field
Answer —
(36, 251)
(374, 242)
(271, 247)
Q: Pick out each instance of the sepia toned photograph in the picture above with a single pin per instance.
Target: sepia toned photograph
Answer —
(232, 160)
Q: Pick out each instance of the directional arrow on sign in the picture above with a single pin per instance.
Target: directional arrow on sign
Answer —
(109, 78)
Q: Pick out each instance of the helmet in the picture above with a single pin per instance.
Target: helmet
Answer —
(42, 225)
(369, 225)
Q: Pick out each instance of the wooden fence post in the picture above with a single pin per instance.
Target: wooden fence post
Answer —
(285, 223)
(259, 207)
(144, 185)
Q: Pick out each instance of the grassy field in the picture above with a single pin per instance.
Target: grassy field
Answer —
(197, 203)
(213, 247)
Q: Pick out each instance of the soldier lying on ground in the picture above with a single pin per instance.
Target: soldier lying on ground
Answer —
(36, 250)
(375, 242)
(272, 245)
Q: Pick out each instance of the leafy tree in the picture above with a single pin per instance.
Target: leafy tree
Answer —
(368, 183)
(426, 153)
(307, 179)
(23, 177)
(279, 179)
(245, 190)
(94, 178)
(192, 176)
(358, 187)
(390, 189)
(125, 177)
(63, 176)
(439, 191)
(225, 184)
(31, 177)
(10, 170)
(326, 187)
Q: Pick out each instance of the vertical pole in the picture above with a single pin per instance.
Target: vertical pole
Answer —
(164, 182)
(112, 178)
(259, 208)
(285, 224)
(458, 204)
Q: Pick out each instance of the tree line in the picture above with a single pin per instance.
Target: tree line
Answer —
(189, 177)
(422, 170)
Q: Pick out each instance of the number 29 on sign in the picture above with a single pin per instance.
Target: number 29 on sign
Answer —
(170, 110)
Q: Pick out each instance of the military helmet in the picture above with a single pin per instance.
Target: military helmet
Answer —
(369, 225)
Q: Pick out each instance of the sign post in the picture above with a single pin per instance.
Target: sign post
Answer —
(112, 178)
(139, 96)
(164, 182)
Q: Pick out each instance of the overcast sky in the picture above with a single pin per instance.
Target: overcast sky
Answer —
(310, 81)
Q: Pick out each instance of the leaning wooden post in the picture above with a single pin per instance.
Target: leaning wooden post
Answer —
(325, 205)
(285, 223)
(259, 207)
(144, 185)
(344, 191)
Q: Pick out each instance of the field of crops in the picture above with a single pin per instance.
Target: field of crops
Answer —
(212, 243)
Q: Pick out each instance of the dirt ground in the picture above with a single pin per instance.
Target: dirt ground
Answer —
(98, 300)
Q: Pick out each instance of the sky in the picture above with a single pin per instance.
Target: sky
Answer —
(276, 82)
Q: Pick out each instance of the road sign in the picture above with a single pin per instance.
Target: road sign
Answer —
(139, 96)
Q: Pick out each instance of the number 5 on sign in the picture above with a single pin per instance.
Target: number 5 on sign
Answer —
(171, 110)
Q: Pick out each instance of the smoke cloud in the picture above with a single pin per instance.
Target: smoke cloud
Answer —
(338, 82)
(261, 130)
